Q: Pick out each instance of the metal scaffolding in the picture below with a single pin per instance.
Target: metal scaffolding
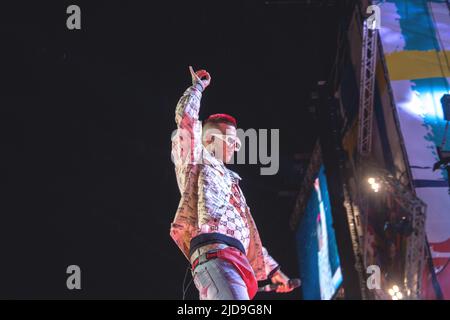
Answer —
(367, 86)
(415, 243)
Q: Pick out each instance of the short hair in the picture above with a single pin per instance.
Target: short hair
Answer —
(215, 119)
(221, 118)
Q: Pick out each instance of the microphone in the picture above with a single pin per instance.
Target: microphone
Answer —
(292, 283)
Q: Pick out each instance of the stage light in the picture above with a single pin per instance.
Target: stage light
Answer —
(374, 184)
(395, 293)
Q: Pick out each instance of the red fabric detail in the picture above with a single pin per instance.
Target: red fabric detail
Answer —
(240, 262)
(242, 265)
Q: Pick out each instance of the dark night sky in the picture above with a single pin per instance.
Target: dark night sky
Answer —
(86, 122)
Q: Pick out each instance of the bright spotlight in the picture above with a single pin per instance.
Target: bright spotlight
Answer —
(374, 184)
(395, 293)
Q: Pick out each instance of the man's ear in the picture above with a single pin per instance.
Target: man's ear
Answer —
(208, 134)
(207, 138)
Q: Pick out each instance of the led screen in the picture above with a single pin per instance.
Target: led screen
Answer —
(317, 253)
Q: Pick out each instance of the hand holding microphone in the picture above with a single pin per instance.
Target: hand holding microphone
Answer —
(281, 283)
(291, 285)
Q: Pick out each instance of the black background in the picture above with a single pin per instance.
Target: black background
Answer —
(86, 120)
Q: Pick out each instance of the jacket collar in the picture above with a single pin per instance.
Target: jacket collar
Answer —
(233, 174)
(219, 165)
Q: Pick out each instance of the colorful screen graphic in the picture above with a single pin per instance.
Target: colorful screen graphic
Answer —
(318, 257)
(415, 35)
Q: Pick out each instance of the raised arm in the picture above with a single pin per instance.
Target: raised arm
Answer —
(189, 104)
(186, 142)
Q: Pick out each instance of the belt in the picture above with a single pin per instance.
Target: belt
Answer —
(204, 257)
(214, 238)
(205, 253)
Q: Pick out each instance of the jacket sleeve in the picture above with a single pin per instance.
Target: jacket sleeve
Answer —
(186, 140)
(271, 265)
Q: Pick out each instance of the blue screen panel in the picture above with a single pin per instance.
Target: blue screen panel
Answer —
(317, 253)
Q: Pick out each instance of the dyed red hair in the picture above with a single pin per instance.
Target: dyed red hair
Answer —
(221, 118)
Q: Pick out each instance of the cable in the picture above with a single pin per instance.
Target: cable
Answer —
(441, 48)
(434, 280)
(445, 266)
(440, 44)
(185, 288)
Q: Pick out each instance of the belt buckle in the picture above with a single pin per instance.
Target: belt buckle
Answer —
(204, 257)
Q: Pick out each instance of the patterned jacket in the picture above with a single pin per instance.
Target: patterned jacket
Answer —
(205, 185)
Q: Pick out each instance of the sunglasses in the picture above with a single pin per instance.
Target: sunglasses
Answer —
(231, 141)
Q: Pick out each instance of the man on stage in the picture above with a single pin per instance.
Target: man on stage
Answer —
(213, 226)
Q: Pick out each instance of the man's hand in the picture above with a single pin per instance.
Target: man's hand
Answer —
(201, 77)
(282, 279)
